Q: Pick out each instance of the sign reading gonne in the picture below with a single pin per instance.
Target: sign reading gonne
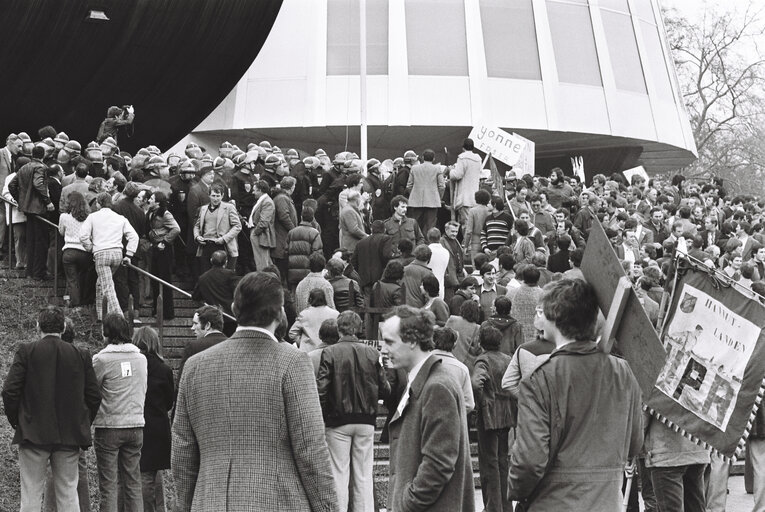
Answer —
(502, 145)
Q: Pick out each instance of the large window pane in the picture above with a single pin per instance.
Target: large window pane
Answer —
(616, 5)
(435, 37)
(644, 10)
(510, 39)
(573, 43)
(656, 61)
(622, 46)
(343, 37)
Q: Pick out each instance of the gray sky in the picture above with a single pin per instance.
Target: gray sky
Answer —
(694, 10)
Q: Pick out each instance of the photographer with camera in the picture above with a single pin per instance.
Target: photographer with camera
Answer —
(115, 117)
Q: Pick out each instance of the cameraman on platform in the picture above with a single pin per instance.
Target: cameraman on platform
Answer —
(115, 117)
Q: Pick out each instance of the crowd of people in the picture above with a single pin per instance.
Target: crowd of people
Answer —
(473, 284)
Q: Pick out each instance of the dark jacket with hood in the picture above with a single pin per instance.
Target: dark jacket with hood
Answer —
(512, 333)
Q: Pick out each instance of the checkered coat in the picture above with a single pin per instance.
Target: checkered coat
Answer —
(248, 431)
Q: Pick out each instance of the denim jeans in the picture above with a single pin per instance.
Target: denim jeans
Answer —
(33, 463)
(493, 462)
(679, 488)
(76, 264)
(118, 453)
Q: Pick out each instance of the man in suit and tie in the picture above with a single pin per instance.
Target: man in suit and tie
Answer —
(425, 186)
(216, 229)
(248, 414)
(7, 166)
(261, 222)
(430, 454)
(207, 326)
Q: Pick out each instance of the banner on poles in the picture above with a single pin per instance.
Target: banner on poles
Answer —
(503, 146)
(711, 381)
(525, 164)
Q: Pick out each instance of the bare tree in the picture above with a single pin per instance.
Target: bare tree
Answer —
(722, 73)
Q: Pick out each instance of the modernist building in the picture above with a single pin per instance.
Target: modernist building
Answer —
(591, 78)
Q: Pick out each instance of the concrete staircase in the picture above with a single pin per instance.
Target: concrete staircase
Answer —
(175, 332)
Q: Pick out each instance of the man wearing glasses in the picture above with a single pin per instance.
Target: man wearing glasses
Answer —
(564, 459)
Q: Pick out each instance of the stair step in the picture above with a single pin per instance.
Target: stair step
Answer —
(382, 451)
(381, 487)
(382, 467)
(472, 434)
(185, 312)
(175, 322)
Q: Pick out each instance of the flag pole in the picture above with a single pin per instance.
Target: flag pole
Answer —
(363, 78)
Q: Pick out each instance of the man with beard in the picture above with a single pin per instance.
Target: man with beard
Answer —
(559, 192)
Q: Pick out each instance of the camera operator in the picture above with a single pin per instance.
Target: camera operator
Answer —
(115, 117)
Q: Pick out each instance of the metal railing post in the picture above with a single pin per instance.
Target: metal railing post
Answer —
(160, 315)
(11, 245)
(162, 282)
(55, 264)
(130, 314)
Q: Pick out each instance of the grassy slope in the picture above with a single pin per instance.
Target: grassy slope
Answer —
(19, 304)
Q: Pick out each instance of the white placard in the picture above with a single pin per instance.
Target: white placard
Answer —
(639, 170)
(525, 164)
(502, 145)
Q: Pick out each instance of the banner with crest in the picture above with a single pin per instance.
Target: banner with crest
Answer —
(711, 381)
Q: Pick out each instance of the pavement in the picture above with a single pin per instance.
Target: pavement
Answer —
(738, 499)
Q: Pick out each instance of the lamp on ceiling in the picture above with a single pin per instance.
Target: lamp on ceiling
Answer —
(96, 14)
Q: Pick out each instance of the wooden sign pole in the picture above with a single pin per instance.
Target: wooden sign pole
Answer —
(615, 313)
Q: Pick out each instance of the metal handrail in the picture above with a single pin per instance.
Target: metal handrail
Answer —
(169, 285)
(51, 225)
(43, 219)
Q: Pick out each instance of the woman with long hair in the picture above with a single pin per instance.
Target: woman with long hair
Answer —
(155, 455)
(162, 231)
(76, 260)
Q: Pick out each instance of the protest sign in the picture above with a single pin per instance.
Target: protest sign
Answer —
(636, 339)
(502, 145)
(712, 377)
(639, 170)
(525, 163)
